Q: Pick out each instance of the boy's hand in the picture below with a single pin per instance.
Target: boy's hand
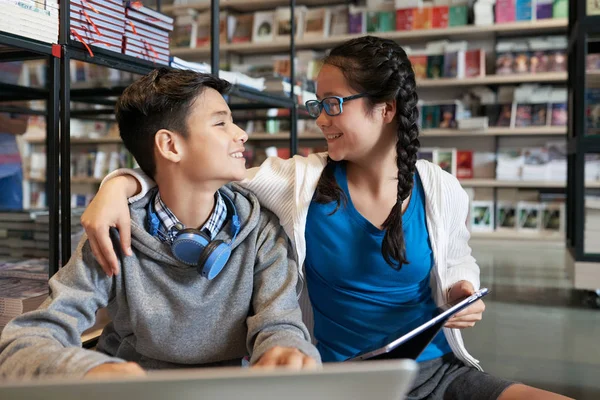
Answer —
(115, 369)
(285, 357)
(470, 315)
(108, 209)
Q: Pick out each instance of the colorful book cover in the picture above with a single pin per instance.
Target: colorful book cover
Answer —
(451, 65)
(464, 164)
(539, 116)
(524, 115)
(446, 159)
(506, 216)
(387, 21)
(543, 9)
(356, 20)
(372, 21)
(505, 11)
(404, 19)
(422, 18)
(482, 216)
(431, 116)
(435, 66)
(447, 116)
(419, 64)
(474, 63)
(243, 28)
(560, 9)
(439, 17)
(559, 114)
(523, 10)
(458, 15)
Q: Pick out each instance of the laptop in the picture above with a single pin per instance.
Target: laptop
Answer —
(378, 380)
(413, 337)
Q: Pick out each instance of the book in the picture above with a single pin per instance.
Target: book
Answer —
(431, 116)
(422, 17)
(448, 116)
(543, 9)
(339, 20)
(263, 28)
(458, 15)
(524, 115)
(446, 159)
(482, 216)
(152, 14)
(419, 64)
(357, 19)
(404, 19)
(553, 217)
(464, 164)
(435, 66)
(474, 63)
(506, 216)
(505, 11)
(539, 114)
(317, 23)
(524, 10)
(283, 22)
(372, 21)
(242, 31)
(439, 17)
(559, 114)
(184, 32)
(528, 217)
(386, 21)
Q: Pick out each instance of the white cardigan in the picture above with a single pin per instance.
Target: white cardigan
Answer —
(286, 187)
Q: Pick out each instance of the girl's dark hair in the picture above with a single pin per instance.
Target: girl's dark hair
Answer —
(381, 69)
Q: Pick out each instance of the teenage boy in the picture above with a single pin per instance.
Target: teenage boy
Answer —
(210, 295)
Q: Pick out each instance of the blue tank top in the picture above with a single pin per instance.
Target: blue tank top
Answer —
(358, 299)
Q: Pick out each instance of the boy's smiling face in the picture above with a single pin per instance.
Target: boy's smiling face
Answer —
(212, 150)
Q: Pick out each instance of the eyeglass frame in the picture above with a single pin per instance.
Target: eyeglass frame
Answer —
(342, 100)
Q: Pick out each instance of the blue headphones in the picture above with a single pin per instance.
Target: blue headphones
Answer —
(194, 247)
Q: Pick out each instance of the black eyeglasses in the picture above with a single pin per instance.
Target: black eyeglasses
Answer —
(333, 105)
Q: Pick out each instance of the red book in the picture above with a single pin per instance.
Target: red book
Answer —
(464, 164)
(474, 63)
(404, 19)
(439, 18)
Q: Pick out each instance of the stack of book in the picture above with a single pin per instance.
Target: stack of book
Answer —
(18, 232)
(23, 288)
(100, 23)
(32, 19)
(146, 33)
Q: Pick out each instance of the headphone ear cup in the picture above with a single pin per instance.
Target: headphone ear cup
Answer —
(213, 259)
(189, 246)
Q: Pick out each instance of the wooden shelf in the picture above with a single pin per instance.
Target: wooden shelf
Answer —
(80, 141)
(546, 77)
(284, 136)
(419, 35)
(528, 131)
(516, 235)
(246, 5)
(493, 183)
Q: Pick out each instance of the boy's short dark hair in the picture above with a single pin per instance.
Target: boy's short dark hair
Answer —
(159, 100)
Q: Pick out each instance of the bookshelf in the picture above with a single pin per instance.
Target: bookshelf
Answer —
(246, 5)
(414, 36)
(520, 236)
(494, 183)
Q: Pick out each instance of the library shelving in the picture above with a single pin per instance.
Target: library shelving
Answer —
(413, 36)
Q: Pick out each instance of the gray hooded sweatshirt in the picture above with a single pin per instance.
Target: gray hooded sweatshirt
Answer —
(164, 314)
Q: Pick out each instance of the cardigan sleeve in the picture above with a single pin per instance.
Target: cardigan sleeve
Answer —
(461, 265)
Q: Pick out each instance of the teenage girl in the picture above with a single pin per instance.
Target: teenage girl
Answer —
(382, 236)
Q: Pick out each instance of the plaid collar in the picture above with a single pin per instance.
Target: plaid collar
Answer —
(170, 225)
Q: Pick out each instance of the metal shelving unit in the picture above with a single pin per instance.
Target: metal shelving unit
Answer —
(584, 39)
(16, 48)
(59, 93)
